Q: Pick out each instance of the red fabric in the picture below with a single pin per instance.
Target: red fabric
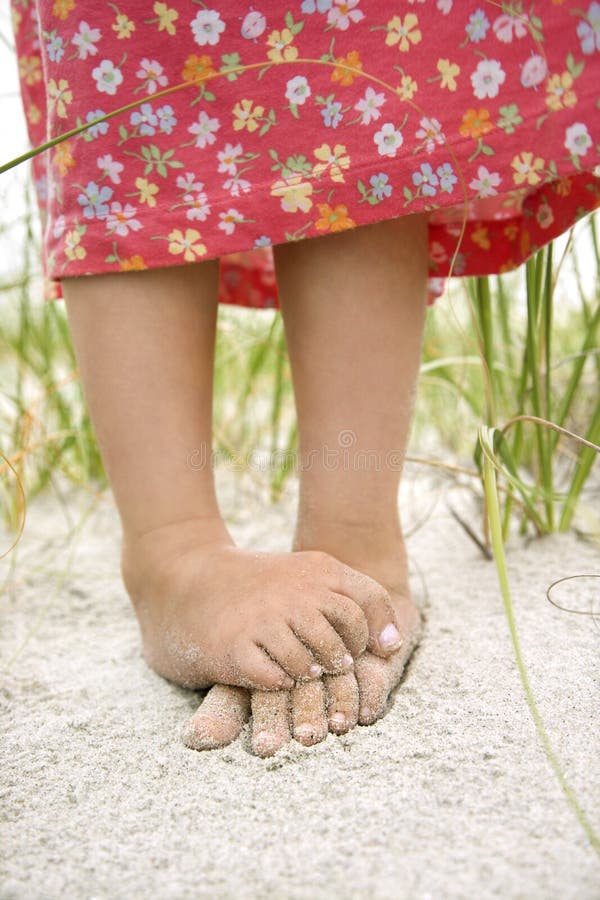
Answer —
(354, 111)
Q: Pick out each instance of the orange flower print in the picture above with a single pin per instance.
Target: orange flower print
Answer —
(480, 236)
(62, 8)
(133, 264)
(563, 186)
(511, 231)
(476, 123)
(197, 68)
(30, 69)
(333, 218)
(558, 92)
(527, 168)
(63, 158)
(342, 75)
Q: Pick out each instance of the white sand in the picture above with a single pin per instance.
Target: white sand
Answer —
(449, 796)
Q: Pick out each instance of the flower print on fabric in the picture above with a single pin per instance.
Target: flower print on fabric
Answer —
(350, 112)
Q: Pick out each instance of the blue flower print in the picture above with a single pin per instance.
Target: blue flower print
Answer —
(101, 128)
(95, 201)
(426, 179)
(447, 177)
(380, 186)
(166, 119)
(332, 115)
(145, 118)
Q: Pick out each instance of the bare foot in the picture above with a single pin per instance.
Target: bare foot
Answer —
(336, 703)
(210, 612)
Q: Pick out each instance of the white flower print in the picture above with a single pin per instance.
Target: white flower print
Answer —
(229, 220)
(577, 139)
(430, 132)
(388, 140)
(369, 105)
(237, 186)
(110, 168)
(207, 27)
(487, 78)
(297, 90)
(107, 77)
(85, 40)
(444, 6)
(59, 227)
(121, 219)
(152, 74)
(199, 206)
(589, 32)
(188, 182)
(508, 27)
(204, 128)
(343, 12)
(228, 158)
(534, 71)
(486, 182)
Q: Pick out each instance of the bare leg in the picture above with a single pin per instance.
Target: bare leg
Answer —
(208, 611)
(353, 306)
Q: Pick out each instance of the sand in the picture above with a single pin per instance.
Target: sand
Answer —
(450, 795)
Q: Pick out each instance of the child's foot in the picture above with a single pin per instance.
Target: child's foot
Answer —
(209, 612)
(336, 703)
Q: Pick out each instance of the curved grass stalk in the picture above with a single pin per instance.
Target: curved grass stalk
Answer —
(493, 512)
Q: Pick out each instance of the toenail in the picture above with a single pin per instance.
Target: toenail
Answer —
(347, 661)
(337, 720)
(390, 636)
(315, 671)
(265, 740)
(366, 713)
(304, 732)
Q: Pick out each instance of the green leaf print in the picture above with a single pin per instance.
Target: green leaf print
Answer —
(509, 118)
(574, 68)
(230, 61)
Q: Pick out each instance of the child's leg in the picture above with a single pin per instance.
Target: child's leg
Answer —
(208, 612)
(353, 306)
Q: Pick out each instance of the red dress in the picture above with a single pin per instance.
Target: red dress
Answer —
(482, 114)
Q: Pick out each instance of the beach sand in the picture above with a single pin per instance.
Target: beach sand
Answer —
(450, 795)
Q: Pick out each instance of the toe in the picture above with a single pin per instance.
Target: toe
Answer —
(349, 621)
(291, 654)
(342, 702)
(374, 685)
(270, 721)
(308, 713)
(259, 671)
(218, 720)
(375, 602)
(325, 643)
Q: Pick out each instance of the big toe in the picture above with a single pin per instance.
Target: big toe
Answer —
(218, 720)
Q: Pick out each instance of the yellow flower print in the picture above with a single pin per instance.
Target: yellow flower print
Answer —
(34, 114)
(449, 72)
(186, 244)
(60, 95)
(294, 193)
(333, 218)
(559, 93)
(333, 160)
(480, 236)
(63, 157)
(511, 231)
(527, 168)
(73, 248)
(166, 17)
(147, 191)
(281, 42)
(30, 69)
(246, 117)
(403, 33)
(133, 264)
(123, 27)
(62, 8)
(407, 88)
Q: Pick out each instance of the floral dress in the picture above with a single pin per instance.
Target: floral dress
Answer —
(252, 125)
